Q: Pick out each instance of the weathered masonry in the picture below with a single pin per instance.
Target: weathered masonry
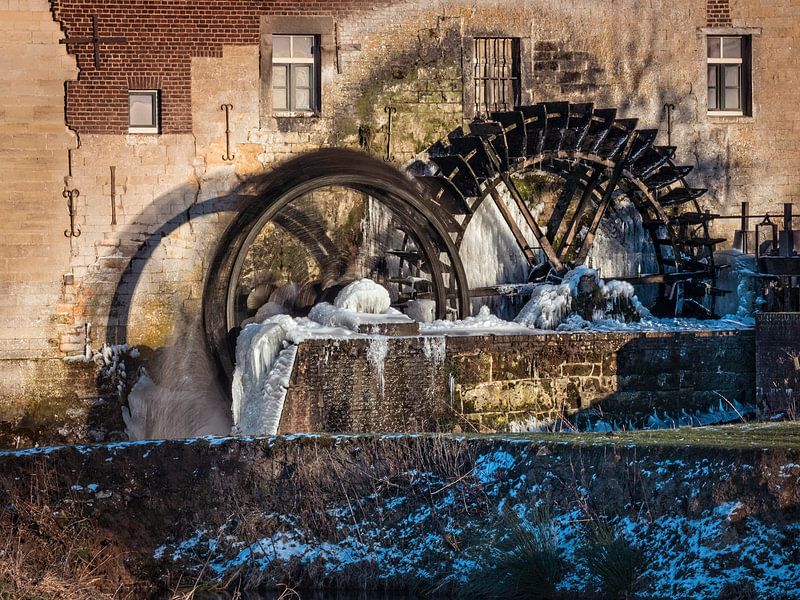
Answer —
(487, 383)
(146, 119)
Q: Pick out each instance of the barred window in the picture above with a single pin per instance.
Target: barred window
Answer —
(728, 74)
(497, 85)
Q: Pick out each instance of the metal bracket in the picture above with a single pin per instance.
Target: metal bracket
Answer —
(227, 156)
(71, 196)
(113, 196)
(390, 110)
(669, 107)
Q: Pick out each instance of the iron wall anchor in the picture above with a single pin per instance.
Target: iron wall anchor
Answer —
(669, 107)
(390, 110)
(227, 156)
(113, 195)
(71, 196)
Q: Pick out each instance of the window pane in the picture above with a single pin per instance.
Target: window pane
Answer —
(281, 46)
(302, 99)
(303, 46)
(302, 76)
(713, 47)
(732, 47)
(712, 98)
(732, 99)
(142, 110)
(712, 76)
(279, 76)
(279, 99)
(732, 76)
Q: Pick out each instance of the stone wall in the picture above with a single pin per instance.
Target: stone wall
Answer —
(174, 192)
(778, 362)
(34, 252)
(484, 383)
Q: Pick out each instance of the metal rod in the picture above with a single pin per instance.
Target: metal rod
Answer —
(389, 110)
(71, 196)
(227, 156)
(745, 216)
(113, 195)
(669, 107)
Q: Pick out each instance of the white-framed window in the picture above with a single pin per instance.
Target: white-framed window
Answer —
(295, 64)
(728, 74)
(143, 114)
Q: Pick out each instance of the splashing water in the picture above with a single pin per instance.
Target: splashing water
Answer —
(187, 401)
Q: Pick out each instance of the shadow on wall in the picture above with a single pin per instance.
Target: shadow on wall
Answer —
(685, 377)
(179, 395)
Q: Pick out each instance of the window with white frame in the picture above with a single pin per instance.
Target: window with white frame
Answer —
(728, 74)
(143, 111)
(295, 65)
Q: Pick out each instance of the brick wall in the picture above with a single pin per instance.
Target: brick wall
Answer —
(719, 13)
(486, 382)
(174, 191)
(161, 42)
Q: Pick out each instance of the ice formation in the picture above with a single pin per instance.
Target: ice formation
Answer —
(551, 304)
(593, 422)
(481, 324)
(423, 311)
(491, 255)
(259, 386)
(265, 351)
(622, 245)
(376, 356)
(364, 296)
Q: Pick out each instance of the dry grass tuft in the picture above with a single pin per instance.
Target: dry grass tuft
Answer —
(47, 548)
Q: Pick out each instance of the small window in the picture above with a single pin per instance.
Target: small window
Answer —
(143, 111)
(496, 64)
(294, 74)
(728, 75)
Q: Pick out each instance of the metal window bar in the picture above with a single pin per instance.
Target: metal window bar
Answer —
(496, 74)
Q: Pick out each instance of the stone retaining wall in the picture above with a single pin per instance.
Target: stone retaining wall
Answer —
(487, 382)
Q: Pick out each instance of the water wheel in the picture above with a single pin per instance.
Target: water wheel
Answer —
(304, 224)
(601, 159)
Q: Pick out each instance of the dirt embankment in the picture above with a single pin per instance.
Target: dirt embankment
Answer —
(390, 512)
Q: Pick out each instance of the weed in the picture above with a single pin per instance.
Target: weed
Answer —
(525, 563)
(613, 561)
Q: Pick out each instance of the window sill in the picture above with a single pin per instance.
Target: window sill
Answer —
(728, 118)
(296, 114)
(146, 130)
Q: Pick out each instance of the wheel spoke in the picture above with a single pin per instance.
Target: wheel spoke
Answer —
(571, 184)
(611, 185)
(530, 220)
(583, 204)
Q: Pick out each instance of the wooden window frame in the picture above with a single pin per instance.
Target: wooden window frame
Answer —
(291, 63)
